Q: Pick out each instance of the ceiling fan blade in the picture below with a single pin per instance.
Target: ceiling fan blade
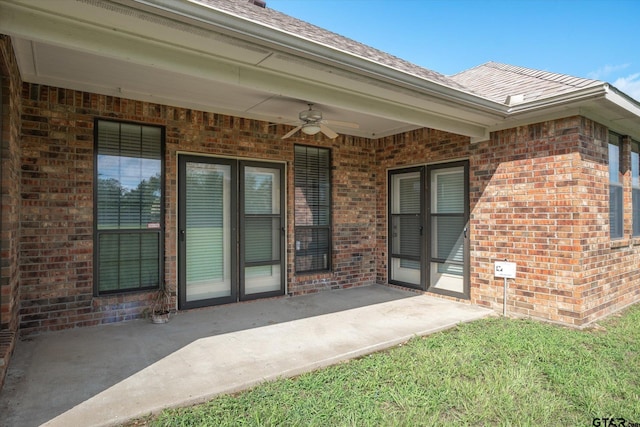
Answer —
(328, 132)
(288, 134)
(283, 121)
(349, 125)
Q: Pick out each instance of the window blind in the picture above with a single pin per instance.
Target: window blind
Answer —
(448, 221)
(635, 186)
(128, 213)
(615, 187)
(205, 199)
(312, 208)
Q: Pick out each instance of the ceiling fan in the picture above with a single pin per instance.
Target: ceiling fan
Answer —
(312, 123)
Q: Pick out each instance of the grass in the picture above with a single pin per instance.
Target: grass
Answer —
(491, 372)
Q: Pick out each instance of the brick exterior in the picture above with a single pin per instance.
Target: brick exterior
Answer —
(10, 156)
(9, 221)
(531, 205)
(57, 199)
(538, 197)
(538, 194)
(610, 277)
(542, 201)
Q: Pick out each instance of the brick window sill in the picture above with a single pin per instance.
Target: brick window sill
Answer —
(625, 242)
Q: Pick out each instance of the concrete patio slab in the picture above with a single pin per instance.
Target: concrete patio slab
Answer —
(109, 374)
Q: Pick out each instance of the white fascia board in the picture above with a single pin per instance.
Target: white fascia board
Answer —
(17, 17)
(602, 104)
(356, 101)
(113, 44)
(585, 97)
(559, 100)
(292, 43)
(624, 101)
(537, 117)
(40, 25)
(618, 112)
(552, 108)
(335, 57)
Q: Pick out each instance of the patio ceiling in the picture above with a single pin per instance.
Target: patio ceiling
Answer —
(186, 54)
(197, 57)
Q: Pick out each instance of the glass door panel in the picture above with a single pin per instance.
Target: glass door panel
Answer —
(206, 232)
(262, 225)
(405, 209)
(448, 218)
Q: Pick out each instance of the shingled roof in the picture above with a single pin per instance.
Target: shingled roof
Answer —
(510, 84)
(271, 18)
(502, 83)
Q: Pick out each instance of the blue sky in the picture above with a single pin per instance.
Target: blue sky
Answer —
(585, 38)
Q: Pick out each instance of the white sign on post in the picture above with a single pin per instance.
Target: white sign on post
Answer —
(505, 269)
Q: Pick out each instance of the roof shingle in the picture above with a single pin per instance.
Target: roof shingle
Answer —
(498, 81)
(494, 81)
(279, 21)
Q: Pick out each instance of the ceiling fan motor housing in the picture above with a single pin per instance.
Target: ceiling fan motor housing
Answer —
(310, 115)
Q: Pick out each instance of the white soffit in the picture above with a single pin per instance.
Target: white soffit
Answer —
(603, 104)
(160, 55)
(130, 54)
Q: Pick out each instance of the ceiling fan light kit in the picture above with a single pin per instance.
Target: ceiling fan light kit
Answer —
(310, 128)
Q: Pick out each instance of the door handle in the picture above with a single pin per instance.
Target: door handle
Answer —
(465, 232)
(182, 235)
(421, 228)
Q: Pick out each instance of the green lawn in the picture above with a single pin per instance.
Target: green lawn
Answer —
(490, 372)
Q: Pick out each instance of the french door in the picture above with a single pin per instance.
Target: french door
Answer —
(428, 228)
(231, 230)
(406, 223)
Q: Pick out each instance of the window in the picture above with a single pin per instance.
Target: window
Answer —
(635, 185)
(615, 186)
(128, 214)
(312, 209)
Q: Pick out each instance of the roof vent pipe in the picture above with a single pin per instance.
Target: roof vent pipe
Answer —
(514, 99)
(259, 3)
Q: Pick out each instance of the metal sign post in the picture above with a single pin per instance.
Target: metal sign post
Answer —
(506, 270)
(504, 298)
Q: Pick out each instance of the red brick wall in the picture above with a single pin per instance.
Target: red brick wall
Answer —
(57, 199)
(56, 219)
(539, 197)
(10, 221)
(354, 201)
(526, 204)
(610, 278)
(10, 202)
